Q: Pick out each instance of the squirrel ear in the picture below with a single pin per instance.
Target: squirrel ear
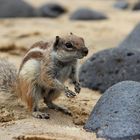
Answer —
(82, 39)
(56, 42)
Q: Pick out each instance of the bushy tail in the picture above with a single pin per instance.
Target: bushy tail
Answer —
(8, 75)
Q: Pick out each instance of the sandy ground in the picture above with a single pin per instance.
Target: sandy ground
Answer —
(18, 34)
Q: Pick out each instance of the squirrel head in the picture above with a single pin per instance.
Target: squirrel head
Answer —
(69, 48)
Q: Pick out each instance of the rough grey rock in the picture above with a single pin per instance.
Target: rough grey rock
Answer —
(132, 41)
(15, 8)
(51, 10)
(136, 6)
(108, 67)
(121, 4)
(87, 14)
(116, 116)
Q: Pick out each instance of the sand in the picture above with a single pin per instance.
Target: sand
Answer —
(17, 35)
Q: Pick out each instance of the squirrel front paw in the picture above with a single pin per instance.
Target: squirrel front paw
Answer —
(77, 88)
(69, 93)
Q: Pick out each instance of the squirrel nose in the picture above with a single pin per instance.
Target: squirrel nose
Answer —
(85, 51)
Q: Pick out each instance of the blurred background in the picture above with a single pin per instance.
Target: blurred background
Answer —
(102, 23)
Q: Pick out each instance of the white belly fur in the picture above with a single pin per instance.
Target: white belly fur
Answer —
(30, 70)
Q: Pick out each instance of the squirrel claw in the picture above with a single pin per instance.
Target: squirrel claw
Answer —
(40, 115)
(77, 88)
(69, 93)
(67, 112)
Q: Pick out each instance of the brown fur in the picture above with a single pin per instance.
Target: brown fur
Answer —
(77, 41)
(24, 92)
(48, 68)
(40, 44)
(31, 55)
(46, 75)
(35, 55)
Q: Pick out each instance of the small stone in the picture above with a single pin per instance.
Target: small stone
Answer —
(51, 10)
(120, 4)
(136, 6)
(87, 14)
(116, 116)
(15, 8)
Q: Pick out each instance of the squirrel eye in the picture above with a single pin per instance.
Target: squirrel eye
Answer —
(69, 45)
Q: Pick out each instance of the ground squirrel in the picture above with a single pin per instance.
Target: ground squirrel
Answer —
(43, 71)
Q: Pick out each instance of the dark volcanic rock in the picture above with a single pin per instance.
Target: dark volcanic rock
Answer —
(87, 14)
(132, 41)
(109, 67)
(116, 116)
(136, 6)
(51, 10)
(121, 4)
(15, 8)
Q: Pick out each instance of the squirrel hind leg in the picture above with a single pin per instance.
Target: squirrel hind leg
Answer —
(52, 95)
(64, 110)
(38, 114)
(36, 95)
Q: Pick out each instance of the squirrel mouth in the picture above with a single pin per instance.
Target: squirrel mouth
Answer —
(81, 56)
